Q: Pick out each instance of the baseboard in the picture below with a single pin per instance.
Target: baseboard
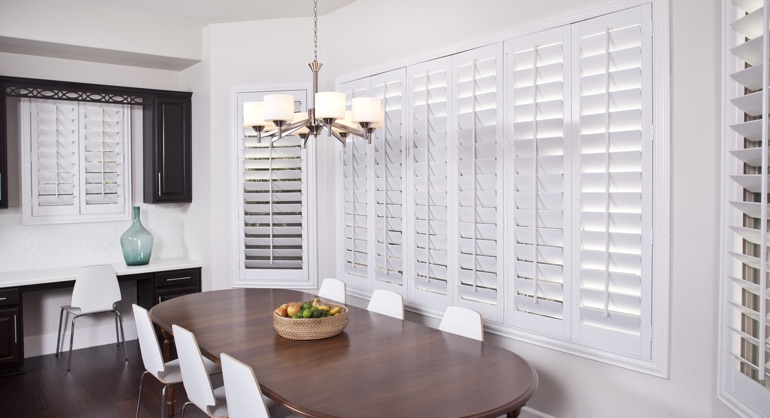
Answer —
(39, 345)
(527, 412)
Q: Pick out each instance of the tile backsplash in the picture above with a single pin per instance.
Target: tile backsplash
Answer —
(30, 247)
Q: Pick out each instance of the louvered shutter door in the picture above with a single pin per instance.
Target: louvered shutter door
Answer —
(389, 165)
(103, 131)
(274, 205)
(428, 130)
(355, 166)
(54, 153)
(477, 89)
(745, 356)
(612, 163)
(539, 173)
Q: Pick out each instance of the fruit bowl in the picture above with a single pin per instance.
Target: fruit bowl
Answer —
(311, 328)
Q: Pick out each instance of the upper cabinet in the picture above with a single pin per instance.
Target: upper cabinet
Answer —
(167, 149)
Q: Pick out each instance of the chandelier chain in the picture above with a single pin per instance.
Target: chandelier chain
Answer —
(315, 30)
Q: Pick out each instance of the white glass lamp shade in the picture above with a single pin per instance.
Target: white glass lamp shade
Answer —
(279, 107)
(300, 116)
(329, 105)
(347, 121)
(367, 109)
(254, 114)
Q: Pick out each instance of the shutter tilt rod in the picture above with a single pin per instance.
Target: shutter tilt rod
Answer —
(427, 175)
(535, 223)
(473, 174)
(385, 174)
(607, 183)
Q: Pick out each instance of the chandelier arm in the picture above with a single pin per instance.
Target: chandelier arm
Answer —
(339, 138)
(348, 129)
(286, 129)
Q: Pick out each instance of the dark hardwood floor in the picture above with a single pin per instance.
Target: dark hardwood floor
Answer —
(101, 384)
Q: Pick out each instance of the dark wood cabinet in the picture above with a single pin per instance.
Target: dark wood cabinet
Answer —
(167, 285)
(168, 149)
(11, 337)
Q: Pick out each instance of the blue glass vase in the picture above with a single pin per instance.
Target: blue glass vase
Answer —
(136, 242)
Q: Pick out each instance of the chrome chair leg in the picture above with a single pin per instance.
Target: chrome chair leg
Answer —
(117, 335)
(185, 406)
(139, 399)
(119, 317)
(72, 338)
(58, 336)
(163, 400)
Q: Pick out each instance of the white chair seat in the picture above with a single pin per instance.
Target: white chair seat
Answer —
(172, 374)
(219, 409)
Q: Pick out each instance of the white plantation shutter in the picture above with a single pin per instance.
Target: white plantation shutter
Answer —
(539, 170)
(355, 184)
(612, 166)
(79, 165)
(428, 141)
(274, 201)
(388, 165)
(478, 164)
(744, 353)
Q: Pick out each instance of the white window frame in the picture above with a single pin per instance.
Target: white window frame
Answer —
(657, 363)
(79, 212)
(306, 278)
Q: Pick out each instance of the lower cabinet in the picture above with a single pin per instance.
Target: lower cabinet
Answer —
(11, 337)
(167, 285)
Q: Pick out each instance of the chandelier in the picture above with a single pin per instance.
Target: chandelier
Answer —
(366, 114)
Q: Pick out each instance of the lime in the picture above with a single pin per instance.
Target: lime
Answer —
(316, 313)
(307, 313)
(307, 305)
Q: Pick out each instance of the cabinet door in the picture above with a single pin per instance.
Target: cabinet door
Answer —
(10, 336)
(167, 150)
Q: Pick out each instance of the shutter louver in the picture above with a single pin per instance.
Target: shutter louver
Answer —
(428, 143)
(540, 199)
(478, 226)
(388, 166)
(355, 160)
(613, 169)
(102, 129)
(745, 350)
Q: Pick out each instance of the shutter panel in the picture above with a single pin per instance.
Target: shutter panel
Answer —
(744, 351)
(477, 89)
(428, 129)
(55, 156)
(274, 203)
(388, 147)
(539, 194)
(355, 162)
(103, 130)
(612, 176)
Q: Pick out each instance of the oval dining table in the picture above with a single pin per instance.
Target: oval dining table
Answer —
(377, 367)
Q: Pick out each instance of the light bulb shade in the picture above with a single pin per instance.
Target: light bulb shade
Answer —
(254, 114)
(300, 116)
(279, 107)
(347, 121)
(367, 109)
(329, 105)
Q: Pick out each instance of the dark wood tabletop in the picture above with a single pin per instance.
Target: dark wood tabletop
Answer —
(377, 367)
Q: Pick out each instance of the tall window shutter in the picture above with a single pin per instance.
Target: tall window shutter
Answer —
(102, 128)
(355, 164)
(477, 86)
(612, 177)
(428, 139)
(744, 356)
(389, 165)
(274, 193)
(539, 198)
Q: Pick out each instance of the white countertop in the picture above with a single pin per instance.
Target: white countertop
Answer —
(63, 274)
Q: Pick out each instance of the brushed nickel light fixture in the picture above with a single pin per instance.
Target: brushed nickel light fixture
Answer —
(366, 114)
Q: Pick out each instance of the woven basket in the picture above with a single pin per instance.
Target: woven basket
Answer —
(311, 328)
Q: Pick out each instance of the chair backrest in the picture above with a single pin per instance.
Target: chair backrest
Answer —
(463, 321)
(387, 303)
(96, 289)
(196, 381)
(244, 398)
(333, 289)
(148, 342)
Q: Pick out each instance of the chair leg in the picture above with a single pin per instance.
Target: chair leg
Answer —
(163, 400)
(58, 336)
(117, 335)
(72, 337)
(139, 399)
(185, 406)
(119, 318)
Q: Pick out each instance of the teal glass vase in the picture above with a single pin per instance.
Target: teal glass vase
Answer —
(136, 242)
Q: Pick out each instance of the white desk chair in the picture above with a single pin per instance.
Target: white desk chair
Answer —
(387, 303)
(333, 289)
(195, 378)
(462, 321)
(244, 398)
(167, 373)
(96, 291)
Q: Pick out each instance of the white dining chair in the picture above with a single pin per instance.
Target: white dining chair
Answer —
(195, 378)
(387, 302)
(96, 291)
(244, 397)
(333, 289)
(462, 321)
(167, 373)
